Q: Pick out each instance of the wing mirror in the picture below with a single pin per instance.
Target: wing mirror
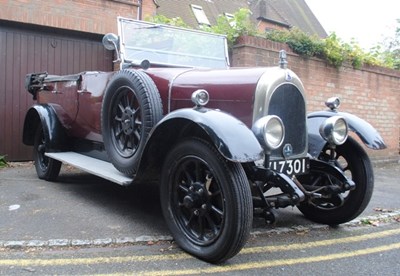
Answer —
(110, 42)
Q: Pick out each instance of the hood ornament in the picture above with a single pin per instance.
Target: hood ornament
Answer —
(283, 59)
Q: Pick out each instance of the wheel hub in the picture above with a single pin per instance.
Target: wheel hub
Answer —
(196, 200)
(128, 121)
(189, 202)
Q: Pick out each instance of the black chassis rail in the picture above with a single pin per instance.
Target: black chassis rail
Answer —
(293, 192)
(265, 178)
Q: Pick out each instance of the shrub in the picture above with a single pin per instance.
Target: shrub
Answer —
(332, 49)
(161, 19)
(3, 162)
(240, 24)
(298, 41)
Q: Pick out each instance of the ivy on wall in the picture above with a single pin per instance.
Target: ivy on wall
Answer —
(332, 49)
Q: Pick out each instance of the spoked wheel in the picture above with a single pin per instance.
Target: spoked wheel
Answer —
(46, 168)
(131, 107)
(206, 201)
(334, 208)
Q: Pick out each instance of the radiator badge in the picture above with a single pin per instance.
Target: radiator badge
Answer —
(287, 150)
(288, 77)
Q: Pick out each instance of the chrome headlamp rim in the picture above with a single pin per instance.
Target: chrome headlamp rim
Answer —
(269, 131)
(200, 97)
(334, 130)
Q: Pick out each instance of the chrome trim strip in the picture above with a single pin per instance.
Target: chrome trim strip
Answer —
(170, 85)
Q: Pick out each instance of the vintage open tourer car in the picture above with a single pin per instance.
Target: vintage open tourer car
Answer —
(223, 143)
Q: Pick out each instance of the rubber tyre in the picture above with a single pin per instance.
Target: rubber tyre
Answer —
(46, 168)
(131, 107)
(353, 160)
(224, 208)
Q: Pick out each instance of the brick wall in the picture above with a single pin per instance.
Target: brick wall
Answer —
(93, 16)
(262, 26)
(372, 93)
(148, 8)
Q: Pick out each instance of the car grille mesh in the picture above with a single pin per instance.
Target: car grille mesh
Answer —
(288, 103)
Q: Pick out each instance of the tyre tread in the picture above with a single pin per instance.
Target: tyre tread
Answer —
(234, 239)
(152, 109)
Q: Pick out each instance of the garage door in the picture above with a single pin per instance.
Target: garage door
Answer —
(25, 49)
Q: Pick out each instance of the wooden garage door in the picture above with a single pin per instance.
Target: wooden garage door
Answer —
(25, 49)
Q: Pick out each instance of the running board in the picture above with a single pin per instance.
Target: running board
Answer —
(92, 165)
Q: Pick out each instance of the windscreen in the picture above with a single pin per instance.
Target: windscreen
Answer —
(161, 44)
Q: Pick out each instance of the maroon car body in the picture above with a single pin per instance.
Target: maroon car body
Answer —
(235, 94)
(224, 143)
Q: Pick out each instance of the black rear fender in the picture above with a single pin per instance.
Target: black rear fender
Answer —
(54, 132)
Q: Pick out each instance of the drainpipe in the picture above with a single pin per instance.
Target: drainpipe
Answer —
(139, 15)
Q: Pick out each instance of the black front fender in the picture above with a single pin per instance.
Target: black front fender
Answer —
(233, 139)
(364, 130)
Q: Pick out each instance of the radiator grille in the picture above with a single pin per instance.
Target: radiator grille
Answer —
(288, 103)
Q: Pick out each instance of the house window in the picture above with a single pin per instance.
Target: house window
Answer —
(200, 15)
(229, 16)
(231, 19)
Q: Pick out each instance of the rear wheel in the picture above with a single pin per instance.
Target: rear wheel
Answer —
(46, 168)
(339, 208)
(206, 201)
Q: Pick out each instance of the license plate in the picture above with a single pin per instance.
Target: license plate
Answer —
(291, 166)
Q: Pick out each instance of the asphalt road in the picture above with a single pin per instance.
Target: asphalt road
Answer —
(82, 224)
(82, 209)
(346, 250)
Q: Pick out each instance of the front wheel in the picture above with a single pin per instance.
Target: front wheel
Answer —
(339, 208)
(206, 201)
(46, 168)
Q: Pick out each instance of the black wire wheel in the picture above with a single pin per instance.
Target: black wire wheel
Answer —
(206, 201)
(336, 208)
(46, 167)
(131, 107)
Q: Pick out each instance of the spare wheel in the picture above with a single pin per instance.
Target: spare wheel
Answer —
(131, 107)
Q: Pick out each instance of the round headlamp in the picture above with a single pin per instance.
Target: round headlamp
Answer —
(269, 131)
(200, 97)
(334, 130)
